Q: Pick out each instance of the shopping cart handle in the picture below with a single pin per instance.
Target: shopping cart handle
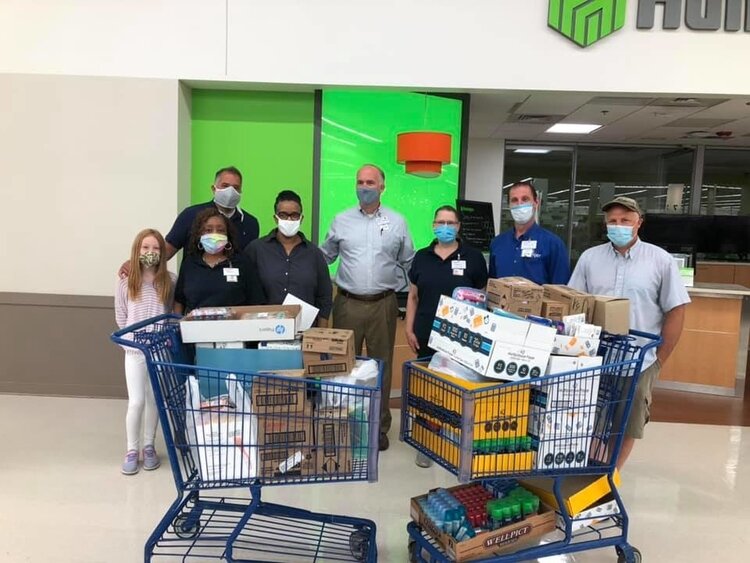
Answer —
(654, 339)
(118, 334)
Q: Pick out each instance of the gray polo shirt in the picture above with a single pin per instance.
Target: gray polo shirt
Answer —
(375, 250)
(646, 274)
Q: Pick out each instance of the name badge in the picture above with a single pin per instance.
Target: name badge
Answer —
(527, 253)
(232, 278)
(458, 264)
(458, 272)
(231, 272)
(528, 244)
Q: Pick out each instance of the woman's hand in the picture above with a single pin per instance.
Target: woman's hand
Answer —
(411, 338)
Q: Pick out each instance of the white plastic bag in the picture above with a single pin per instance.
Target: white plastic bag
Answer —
(222, 433)
(364, 374)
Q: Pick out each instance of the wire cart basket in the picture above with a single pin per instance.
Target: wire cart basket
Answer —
(552, 428)
(244, 430)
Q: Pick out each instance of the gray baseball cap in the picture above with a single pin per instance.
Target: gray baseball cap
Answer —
(626, 202)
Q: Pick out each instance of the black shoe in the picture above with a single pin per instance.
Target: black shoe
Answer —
(384, 444)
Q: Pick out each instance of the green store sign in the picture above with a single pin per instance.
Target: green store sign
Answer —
(587, 21)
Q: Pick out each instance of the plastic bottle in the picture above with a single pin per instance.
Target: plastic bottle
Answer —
(517, 514)
(496, 518)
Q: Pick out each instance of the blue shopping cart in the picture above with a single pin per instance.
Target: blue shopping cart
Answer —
(233, 429)
(549, 429)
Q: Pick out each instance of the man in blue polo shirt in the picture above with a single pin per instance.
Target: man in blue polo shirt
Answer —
(227, 192)
(528, 250)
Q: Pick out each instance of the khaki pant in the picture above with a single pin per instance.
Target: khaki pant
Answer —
(641, 411)
(373, 322)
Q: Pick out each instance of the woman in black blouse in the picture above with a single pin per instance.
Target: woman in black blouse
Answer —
(214, 272)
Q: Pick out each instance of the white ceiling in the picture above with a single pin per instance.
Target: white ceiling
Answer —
(636, 118)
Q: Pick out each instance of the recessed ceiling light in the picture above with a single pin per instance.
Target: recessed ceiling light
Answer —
(532, 151)
(574, 128)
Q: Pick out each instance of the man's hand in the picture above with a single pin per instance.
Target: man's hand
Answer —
(411, 339)
(124, 270)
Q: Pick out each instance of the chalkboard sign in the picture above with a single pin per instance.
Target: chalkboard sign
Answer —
(478, 223)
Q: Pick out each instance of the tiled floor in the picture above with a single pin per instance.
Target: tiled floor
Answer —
(62, 498)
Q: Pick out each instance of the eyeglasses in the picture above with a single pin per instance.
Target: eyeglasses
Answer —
(288, 216)
(445, 223)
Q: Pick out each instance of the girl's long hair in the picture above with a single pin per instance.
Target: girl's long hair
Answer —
(162, 281)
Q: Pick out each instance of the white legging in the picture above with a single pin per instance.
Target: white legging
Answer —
(140, 403)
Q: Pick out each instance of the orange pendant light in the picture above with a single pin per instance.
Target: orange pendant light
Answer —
(424, 152)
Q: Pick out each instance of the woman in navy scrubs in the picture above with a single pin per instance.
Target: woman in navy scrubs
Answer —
(437, 270)
(214, 272)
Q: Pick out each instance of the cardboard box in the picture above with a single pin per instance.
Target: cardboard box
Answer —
(516, 295)
(328, 351)
(286, 461)
(598, 513)
(554, 310)
(247, 324)
(579, 492)
(507, 539)
(561, 453)
(333, 442)
(280, 397)
(577, 301)
(492, 345)
(293, 431)
(612, 314)
(564, 345)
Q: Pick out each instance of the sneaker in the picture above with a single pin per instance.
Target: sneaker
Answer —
(130, 465)
(383, 443)
(151, 460)
(423, 461)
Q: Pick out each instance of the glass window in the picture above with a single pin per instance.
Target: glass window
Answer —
(657, 178)
(726, 182)
(550, 169)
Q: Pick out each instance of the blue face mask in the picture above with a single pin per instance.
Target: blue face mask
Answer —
(445, 233)
(620, 235)
(367, 196)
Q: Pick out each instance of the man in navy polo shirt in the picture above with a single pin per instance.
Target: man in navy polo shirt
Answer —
(227, 190)
(528, 250)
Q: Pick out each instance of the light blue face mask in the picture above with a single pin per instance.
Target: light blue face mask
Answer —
(620, 235)
(367, 196)
(523, 213)
(445, 233)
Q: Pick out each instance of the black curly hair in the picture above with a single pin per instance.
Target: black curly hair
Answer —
(197, 228)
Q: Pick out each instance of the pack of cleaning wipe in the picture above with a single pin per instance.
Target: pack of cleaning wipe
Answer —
(491, 345)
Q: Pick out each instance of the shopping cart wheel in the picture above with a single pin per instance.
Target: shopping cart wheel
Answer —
(359, 544)
(628, 555)
(183, 532)
(413, 551)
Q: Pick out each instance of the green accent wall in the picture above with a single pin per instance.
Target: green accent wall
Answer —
(267, 135)
(360, 127)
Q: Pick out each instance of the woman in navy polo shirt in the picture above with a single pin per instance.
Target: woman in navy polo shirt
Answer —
(437, 270)
(214, 272)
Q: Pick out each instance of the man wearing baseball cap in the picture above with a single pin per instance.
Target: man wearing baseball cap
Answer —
(648, 276)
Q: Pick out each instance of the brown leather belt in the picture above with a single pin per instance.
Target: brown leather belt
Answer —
(373, 297)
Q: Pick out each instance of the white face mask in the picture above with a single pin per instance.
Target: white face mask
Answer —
(227, 197)
(522, 214)
(289, 228)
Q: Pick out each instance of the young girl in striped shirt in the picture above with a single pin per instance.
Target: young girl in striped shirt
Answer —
(148, 291)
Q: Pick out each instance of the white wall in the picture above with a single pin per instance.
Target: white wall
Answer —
(484, 173)
(451, 44)
(86, 163)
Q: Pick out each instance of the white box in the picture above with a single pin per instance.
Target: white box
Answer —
(269, 322)
(561, 453)
(590, 516)
(491, 345)
(546, 423)
(575, 346)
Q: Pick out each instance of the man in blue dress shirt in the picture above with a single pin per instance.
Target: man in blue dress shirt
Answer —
(528, 250)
